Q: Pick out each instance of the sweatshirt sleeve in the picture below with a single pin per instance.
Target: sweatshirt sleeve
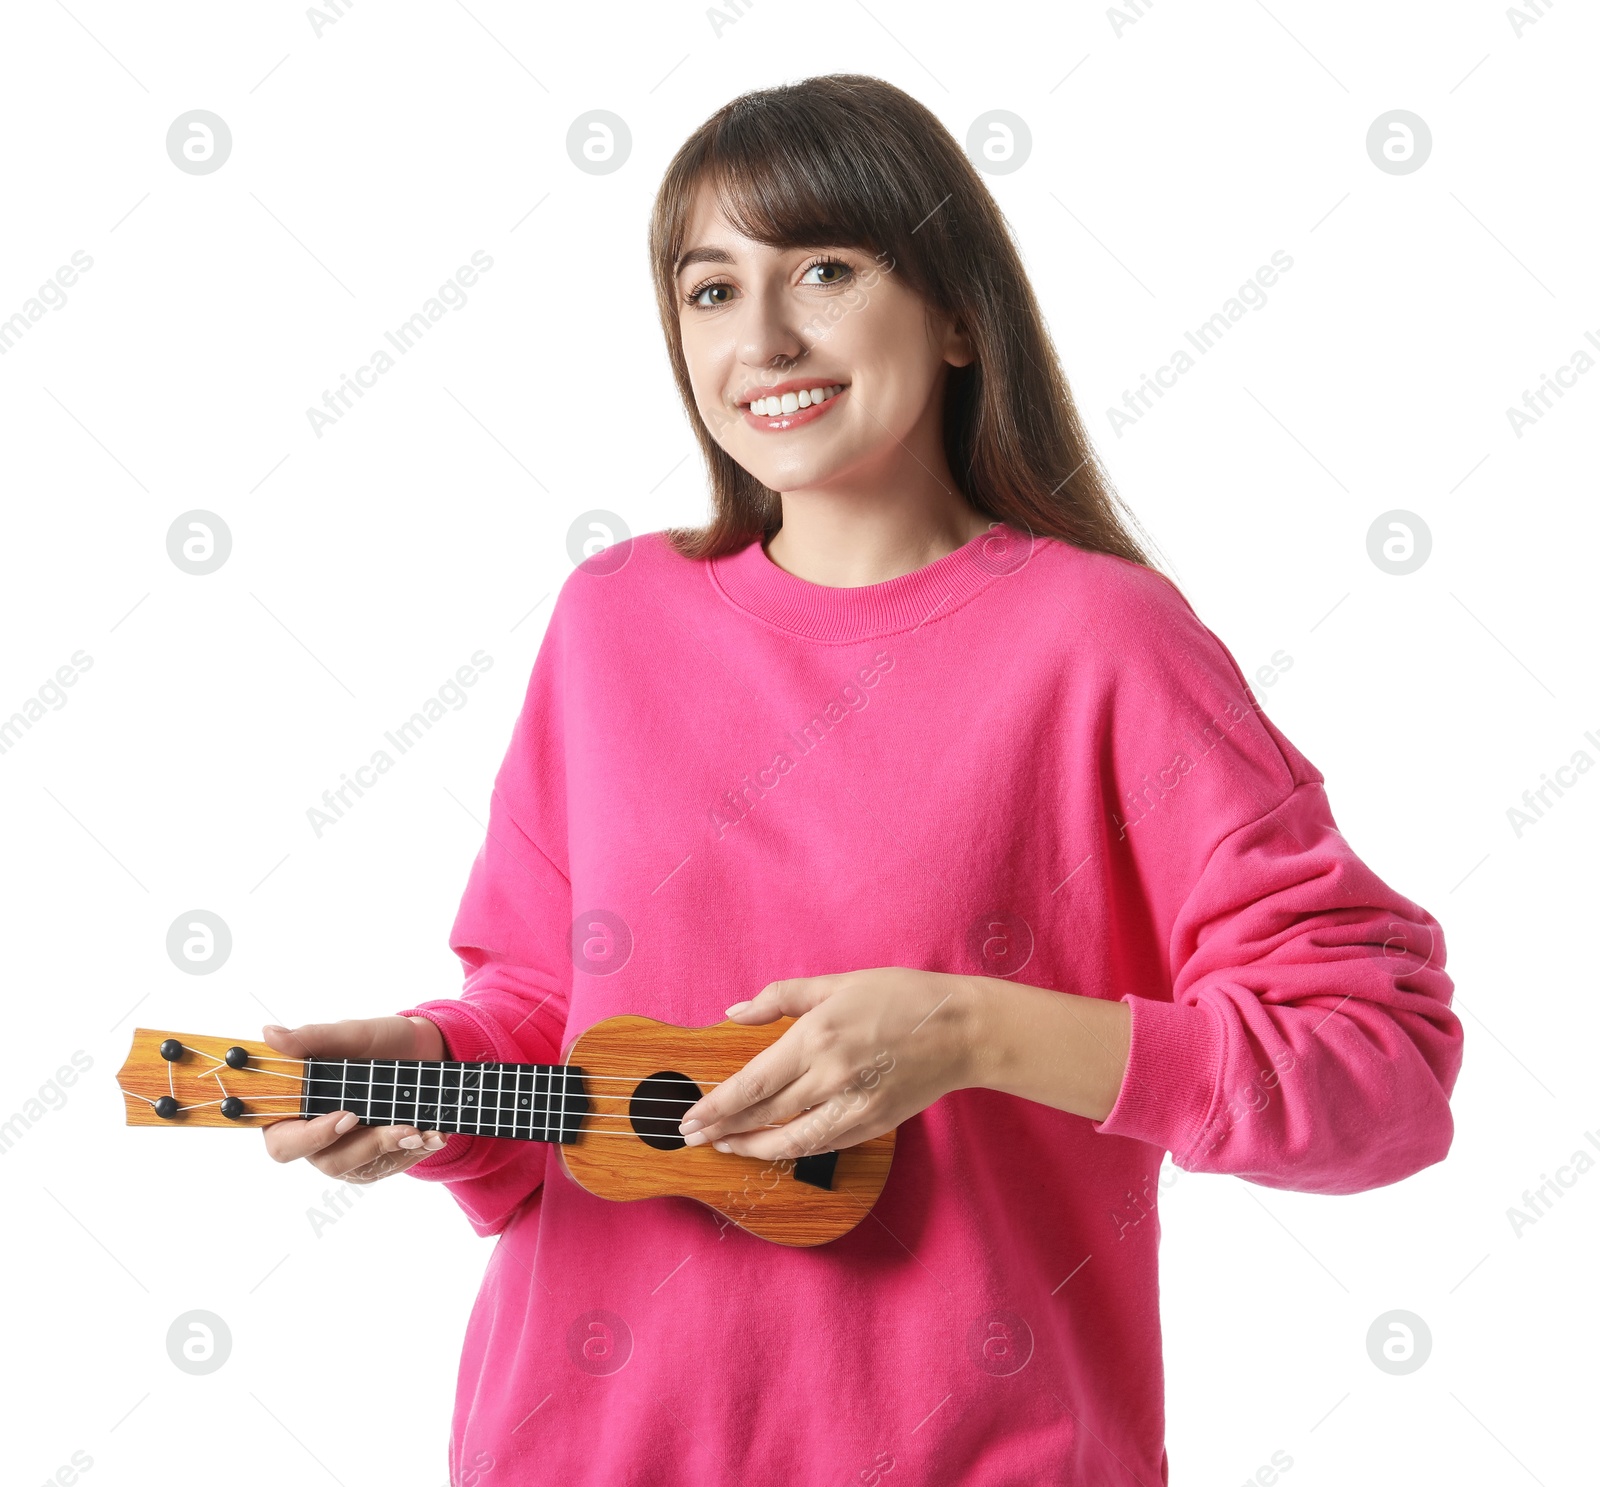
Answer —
(1309, 1042)
(1290, 1020)
(512, 934)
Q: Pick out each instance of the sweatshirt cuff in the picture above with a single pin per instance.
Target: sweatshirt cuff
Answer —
(466, 1041)
(1175, 1053)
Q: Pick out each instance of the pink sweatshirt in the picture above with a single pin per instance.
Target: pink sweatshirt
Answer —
(1022, 760)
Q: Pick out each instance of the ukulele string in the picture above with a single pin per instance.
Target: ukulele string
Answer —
(571, 1078)
(345, 1062)
(587, 1115)
(591, 1115)
(453, 1105)
(306, 1079)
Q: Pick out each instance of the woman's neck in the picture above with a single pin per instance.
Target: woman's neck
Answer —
(846, 545)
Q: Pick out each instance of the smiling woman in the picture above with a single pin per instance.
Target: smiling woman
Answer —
(901, 489)
(788, 254)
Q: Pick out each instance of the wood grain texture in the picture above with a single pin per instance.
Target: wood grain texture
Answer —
(200, 1082)
(764, 1198)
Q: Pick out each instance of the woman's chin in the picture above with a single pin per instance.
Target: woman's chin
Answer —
(794, 474)
(780, 478)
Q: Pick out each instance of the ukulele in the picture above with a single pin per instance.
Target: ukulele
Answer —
(611, 1109)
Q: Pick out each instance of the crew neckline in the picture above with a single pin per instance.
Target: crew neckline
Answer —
(750, 580)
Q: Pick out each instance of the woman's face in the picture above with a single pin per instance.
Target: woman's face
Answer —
(761, 322)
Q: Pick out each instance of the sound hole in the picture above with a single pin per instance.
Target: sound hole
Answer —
(658, 1104)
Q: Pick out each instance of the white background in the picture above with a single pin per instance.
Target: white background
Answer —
(1170, 158)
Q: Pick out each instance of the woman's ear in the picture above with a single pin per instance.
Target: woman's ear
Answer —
(957, 348)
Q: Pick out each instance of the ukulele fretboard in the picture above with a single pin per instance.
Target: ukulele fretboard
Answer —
(525, 1102)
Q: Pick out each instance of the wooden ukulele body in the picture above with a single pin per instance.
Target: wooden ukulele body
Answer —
(782, 1200)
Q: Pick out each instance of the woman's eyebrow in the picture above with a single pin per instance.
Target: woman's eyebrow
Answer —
(701, 255)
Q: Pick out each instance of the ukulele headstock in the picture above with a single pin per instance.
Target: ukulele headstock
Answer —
(191, 1079)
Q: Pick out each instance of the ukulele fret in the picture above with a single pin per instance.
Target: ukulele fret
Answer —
(380, 1102)
(484, 1099)
(428, 1085)
(505, 1110)
(492, 1077)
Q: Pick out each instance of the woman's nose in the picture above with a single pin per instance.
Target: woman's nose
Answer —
(771, 331)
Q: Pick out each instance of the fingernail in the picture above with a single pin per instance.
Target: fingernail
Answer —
(273, 1027)
(722, 1146)
(685, 1126)
(695, 1138)
(435, 1141)
(411, 1143)
(736, 1007)
(345, 1122)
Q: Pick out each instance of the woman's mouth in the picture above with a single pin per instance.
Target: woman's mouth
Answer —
(792, 407)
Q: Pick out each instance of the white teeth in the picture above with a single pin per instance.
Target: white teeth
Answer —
(791, 402)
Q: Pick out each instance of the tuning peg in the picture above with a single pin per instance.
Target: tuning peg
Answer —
(166, 1107)
(172, 1050)
(236, 1057)
(233, 1106)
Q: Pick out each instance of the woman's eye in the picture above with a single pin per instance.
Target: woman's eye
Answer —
(839, 271)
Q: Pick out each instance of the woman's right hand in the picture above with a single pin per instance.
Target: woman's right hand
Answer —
(335, 1143)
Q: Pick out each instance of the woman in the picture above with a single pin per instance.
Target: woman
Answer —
(912, 744)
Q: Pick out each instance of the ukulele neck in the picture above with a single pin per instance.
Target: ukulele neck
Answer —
(521, 1102)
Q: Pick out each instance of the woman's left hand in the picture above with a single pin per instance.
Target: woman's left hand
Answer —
(869, 1050)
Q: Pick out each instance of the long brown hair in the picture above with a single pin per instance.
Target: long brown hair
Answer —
(853, 161)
